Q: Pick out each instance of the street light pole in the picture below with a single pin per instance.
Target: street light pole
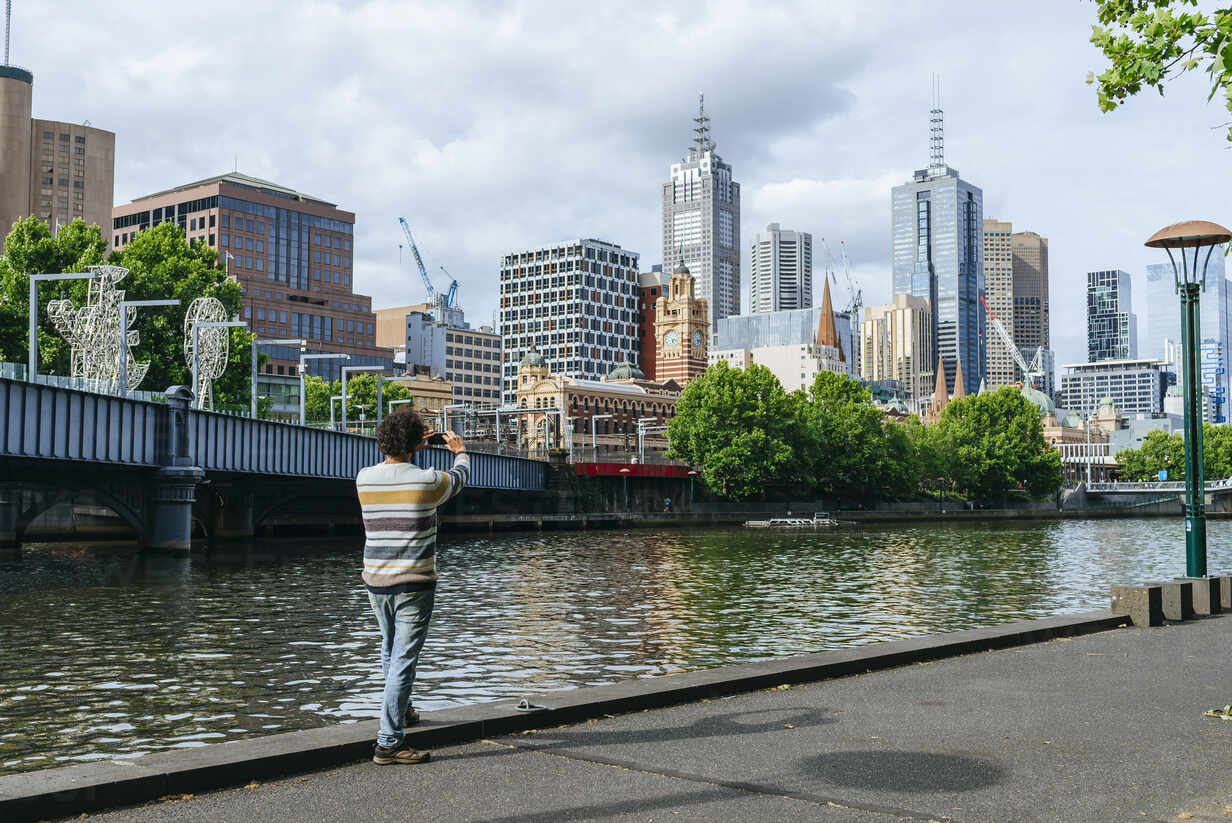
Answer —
(273, 341)
(35, 279)
(124, 306)
(1196, 235)
(346, 369)
(303, 359)
(594, 445)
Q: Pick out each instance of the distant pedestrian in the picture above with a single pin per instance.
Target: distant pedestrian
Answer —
(399, 502)
(667, 504)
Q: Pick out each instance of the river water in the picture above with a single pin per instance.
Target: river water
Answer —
(106, 652)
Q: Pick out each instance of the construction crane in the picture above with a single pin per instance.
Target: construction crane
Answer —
(452, 294)
(857, 295)
(1032, 374)
(434, 297)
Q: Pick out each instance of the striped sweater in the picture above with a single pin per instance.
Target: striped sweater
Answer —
(399, 502)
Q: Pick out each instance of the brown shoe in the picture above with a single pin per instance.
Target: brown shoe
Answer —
(402, 754)
(412, 717)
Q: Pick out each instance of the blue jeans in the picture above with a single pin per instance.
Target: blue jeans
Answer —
(404, 626)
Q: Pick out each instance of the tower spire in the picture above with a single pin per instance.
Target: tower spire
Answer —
(701, 131)
(8, 24)
(936, 128)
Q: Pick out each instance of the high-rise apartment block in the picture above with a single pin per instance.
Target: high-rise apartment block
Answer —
(1001, 367)
(574, 303)
(701, 222)
(56, 171)
(780, 270)
(291, 254)
(1112, 326)
(938, 255)
(1163, 327)
(897, 343)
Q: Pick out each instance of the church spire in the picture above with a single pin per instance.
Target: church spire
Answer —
(941, 396)
(959, 389)
(827, 332)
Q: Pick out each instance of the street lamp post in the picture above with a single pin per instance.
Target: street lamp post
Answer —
(196, 365)
(271, 341)
(35, 279)
(124, 307)
(594, 445)
(303, 359)
(346, 369)
(1196, 235)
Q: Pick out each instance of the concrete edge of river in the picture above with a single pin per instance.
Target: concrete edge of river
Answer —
(105, 784)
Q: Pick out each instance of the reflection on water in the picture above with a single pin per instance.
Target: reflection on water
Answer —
(113, 653)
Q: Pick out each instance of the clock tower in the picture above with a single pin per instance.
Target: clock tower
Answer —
(682, 330)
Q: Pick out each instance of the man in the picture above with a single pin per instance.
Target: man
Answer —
(399, 502)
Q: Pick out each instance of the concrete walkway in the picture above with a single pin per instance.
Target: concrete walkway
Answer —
(1102, 727)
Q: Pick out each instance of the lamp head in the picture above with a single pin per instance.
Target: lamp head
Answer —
(1190, 234)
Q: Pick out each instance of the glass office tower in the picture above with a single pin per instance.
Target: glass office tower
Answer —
(1112, 326)
(1163, 320)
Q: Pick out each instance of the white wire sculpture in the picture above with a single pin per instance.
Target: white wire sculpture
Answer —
(93, 332)
(214, 344)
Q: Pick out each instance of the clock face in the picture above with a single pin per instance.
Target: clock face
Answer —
(697, 340)
(672, 339)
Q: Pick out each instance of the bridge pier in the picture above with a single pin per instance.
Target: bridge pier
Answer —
(172, 499)
(10, 512)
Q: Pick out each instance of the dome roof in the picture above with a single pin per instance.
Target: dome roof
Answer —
(1072, 420)
(533, 358)
(1040, 400)
(626, 371)
(1105, 401)
(681, 268)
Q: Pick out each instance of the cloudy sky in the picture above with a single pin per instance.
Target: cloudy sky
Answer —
(497, 126)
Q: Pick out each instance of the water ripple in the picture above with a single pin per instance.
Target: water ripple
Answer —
(110, 653)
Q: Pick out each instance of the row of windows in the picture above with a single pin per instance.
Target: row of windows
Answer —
(48, 135)
(343, 243)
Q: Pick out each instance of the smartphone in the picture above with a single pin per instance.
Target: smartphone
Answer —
(436, 439)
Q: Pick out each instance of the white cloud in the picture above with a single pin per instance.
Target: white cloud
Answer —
(501, 125)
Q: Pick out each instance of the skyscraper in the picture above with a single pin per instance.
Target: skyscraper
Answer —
(1032, 315)
(573, 303)
(897, 340)
(780, 270)
(1001, 367)
(938, 255)
(701, 221)
(1163, 326)
(1112, 327)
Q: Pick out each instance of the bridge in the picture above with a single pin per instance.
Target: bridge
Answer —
(170, 471)
(1217, 494)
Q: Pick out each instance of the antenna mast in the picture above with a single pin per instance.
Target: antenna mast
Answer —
(702, 129)
(936, 128)
(8, 24)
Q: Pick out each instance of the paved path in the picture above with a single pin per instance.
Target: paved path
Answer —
(1105, 727)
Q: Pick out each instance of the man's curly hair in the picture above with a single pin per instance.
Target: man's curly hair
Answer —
(401, 432)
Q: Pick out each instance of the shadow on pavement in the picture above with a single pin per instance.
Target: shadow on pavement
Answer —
(723, 725)
(898, 771)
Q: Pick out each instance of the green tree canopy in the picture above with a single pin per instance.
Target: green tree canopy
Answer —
(992, 443)
(1159, 451)
(741, 428)
(850, 449)
(161, 266)
(31, 249)
(1149, 43)
(361, 397)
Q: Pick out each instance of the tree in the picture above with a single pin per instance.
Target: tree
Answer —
(361, 395)
(852, 451)
(31, 249)
(1149, 43)
(992, 443)
(741, 428)
(161, 266)
(1159, 451)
